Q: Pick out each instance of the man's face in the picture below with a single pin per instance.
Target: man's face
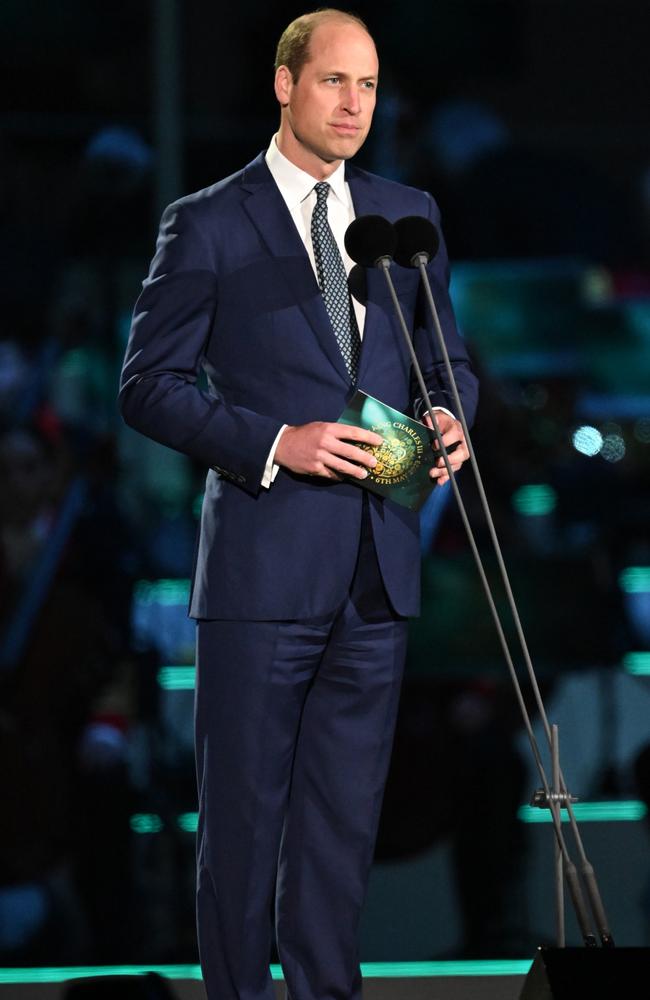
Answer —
(328, 111)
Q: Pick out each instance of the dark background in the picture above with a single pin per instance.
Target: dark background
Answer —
(528, 120)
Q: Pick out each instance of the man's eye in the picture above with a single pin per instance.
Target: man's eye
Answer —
(332, 79)
(369, 84)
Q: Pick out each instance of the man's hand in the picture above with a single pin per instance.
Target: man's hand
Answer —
(323, 449)
(452, 433)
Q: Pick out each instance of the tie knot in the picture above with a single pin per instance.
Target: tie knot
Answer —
(322, 190)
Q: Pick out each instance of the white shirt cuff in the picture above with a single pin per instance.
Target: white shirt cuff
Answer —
(271, 469)
(420, 410)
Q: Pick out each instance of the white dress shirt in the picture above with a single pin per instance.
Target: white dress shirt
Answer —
(297, 188)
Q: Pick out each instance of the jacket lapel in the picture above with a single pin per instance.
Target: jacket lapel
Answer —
(270, 216)
(366, 203)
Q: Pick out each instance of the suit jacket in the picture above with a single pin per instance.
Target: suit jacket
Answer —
(231, 289)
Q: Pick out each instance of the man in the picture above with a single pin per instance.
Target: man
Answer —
(303, 582)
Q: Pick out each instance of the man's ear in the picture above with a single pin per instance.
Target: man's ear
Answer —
(283, 85)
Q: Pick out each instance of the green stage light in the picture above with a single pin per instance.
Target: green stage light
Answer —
(152, 823)
(197, 506)
(534, 500)
(425, 970)
(370, 970)
(167, 592)
(146, 823)
(179, 678)
(589, 812)
(61, 974)
(188, 822)
(635, 580)
(585, 812)
(637, 664)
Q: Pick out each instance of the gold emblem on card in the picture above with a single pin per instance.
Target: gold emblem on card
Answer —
(399, 454)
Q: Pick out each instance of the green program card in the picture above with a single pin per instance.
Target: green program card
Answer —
(403, 460)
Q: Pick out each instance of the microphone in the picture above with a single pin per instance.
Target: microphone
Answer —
(418, 243)
(370, 239)
(358, 284)
(417, 239)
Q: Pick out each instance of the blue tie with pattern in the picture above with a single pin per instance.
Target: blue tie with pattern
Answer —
(334, 283)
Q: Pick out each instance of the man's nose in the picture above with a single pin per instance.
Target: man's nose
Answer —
(351, 100)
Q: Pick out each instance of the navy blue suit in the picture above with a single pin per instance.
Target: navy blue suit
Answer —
(231, 288)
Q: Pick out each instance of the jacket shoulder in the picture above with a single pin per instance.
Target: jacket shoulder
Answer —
(379, 183)
(403, 198)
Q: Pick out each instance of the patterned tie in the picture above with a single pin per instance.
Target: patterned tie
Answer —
(334, 283)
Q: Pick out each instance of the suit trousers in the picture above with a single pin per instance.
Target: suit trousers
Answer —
(294, 729)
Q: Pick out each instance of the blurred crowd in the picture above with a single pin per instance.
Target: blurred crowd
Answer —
(91, 516)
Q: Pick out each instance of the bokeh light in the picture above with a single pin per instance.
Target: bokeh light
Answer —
(613, 449)
(642, 430)
(587, 440)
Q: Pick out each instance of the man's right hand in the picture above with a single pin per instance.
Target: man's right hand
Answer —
(323, 449)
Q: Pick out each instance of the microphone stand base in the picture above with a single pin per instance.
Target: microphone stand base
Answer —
(594, 973)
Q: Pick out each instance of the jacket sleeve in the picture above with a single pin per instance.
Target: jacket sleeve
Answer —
(426, 342)
(172, 322)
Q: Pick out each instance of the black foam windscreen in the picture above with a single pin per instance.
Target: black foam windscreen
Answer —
(358, 283)
(369, 238)
(415, 235)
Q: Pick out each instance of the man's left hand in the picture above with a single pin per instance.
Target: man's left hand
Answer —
(452, 433)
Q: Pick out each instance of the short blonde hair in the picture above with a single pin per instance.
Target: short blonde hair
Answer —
(293, 47)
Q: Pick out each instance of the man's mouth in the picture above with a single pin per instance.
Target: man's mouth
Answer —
(345, 128)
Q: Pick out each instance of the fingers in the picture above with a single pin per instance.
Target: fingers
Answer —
(332, 467)
(333, 451)
(346, 457)
(441, 476)
(336, 468)
(358, 434)
(452, 438)
(444, 420)
(346, 460)
(457, 452)
(328, 450)
(354, 454)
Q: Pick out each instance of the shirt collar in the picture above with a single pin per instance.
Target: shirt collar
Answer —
(295, 184)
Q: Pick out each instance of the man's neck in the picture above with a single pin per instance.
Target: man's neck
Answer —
(303, 158)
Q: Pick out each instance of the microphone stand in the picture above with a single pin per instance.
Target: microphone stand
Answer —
(545, 798)
(561, 797)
